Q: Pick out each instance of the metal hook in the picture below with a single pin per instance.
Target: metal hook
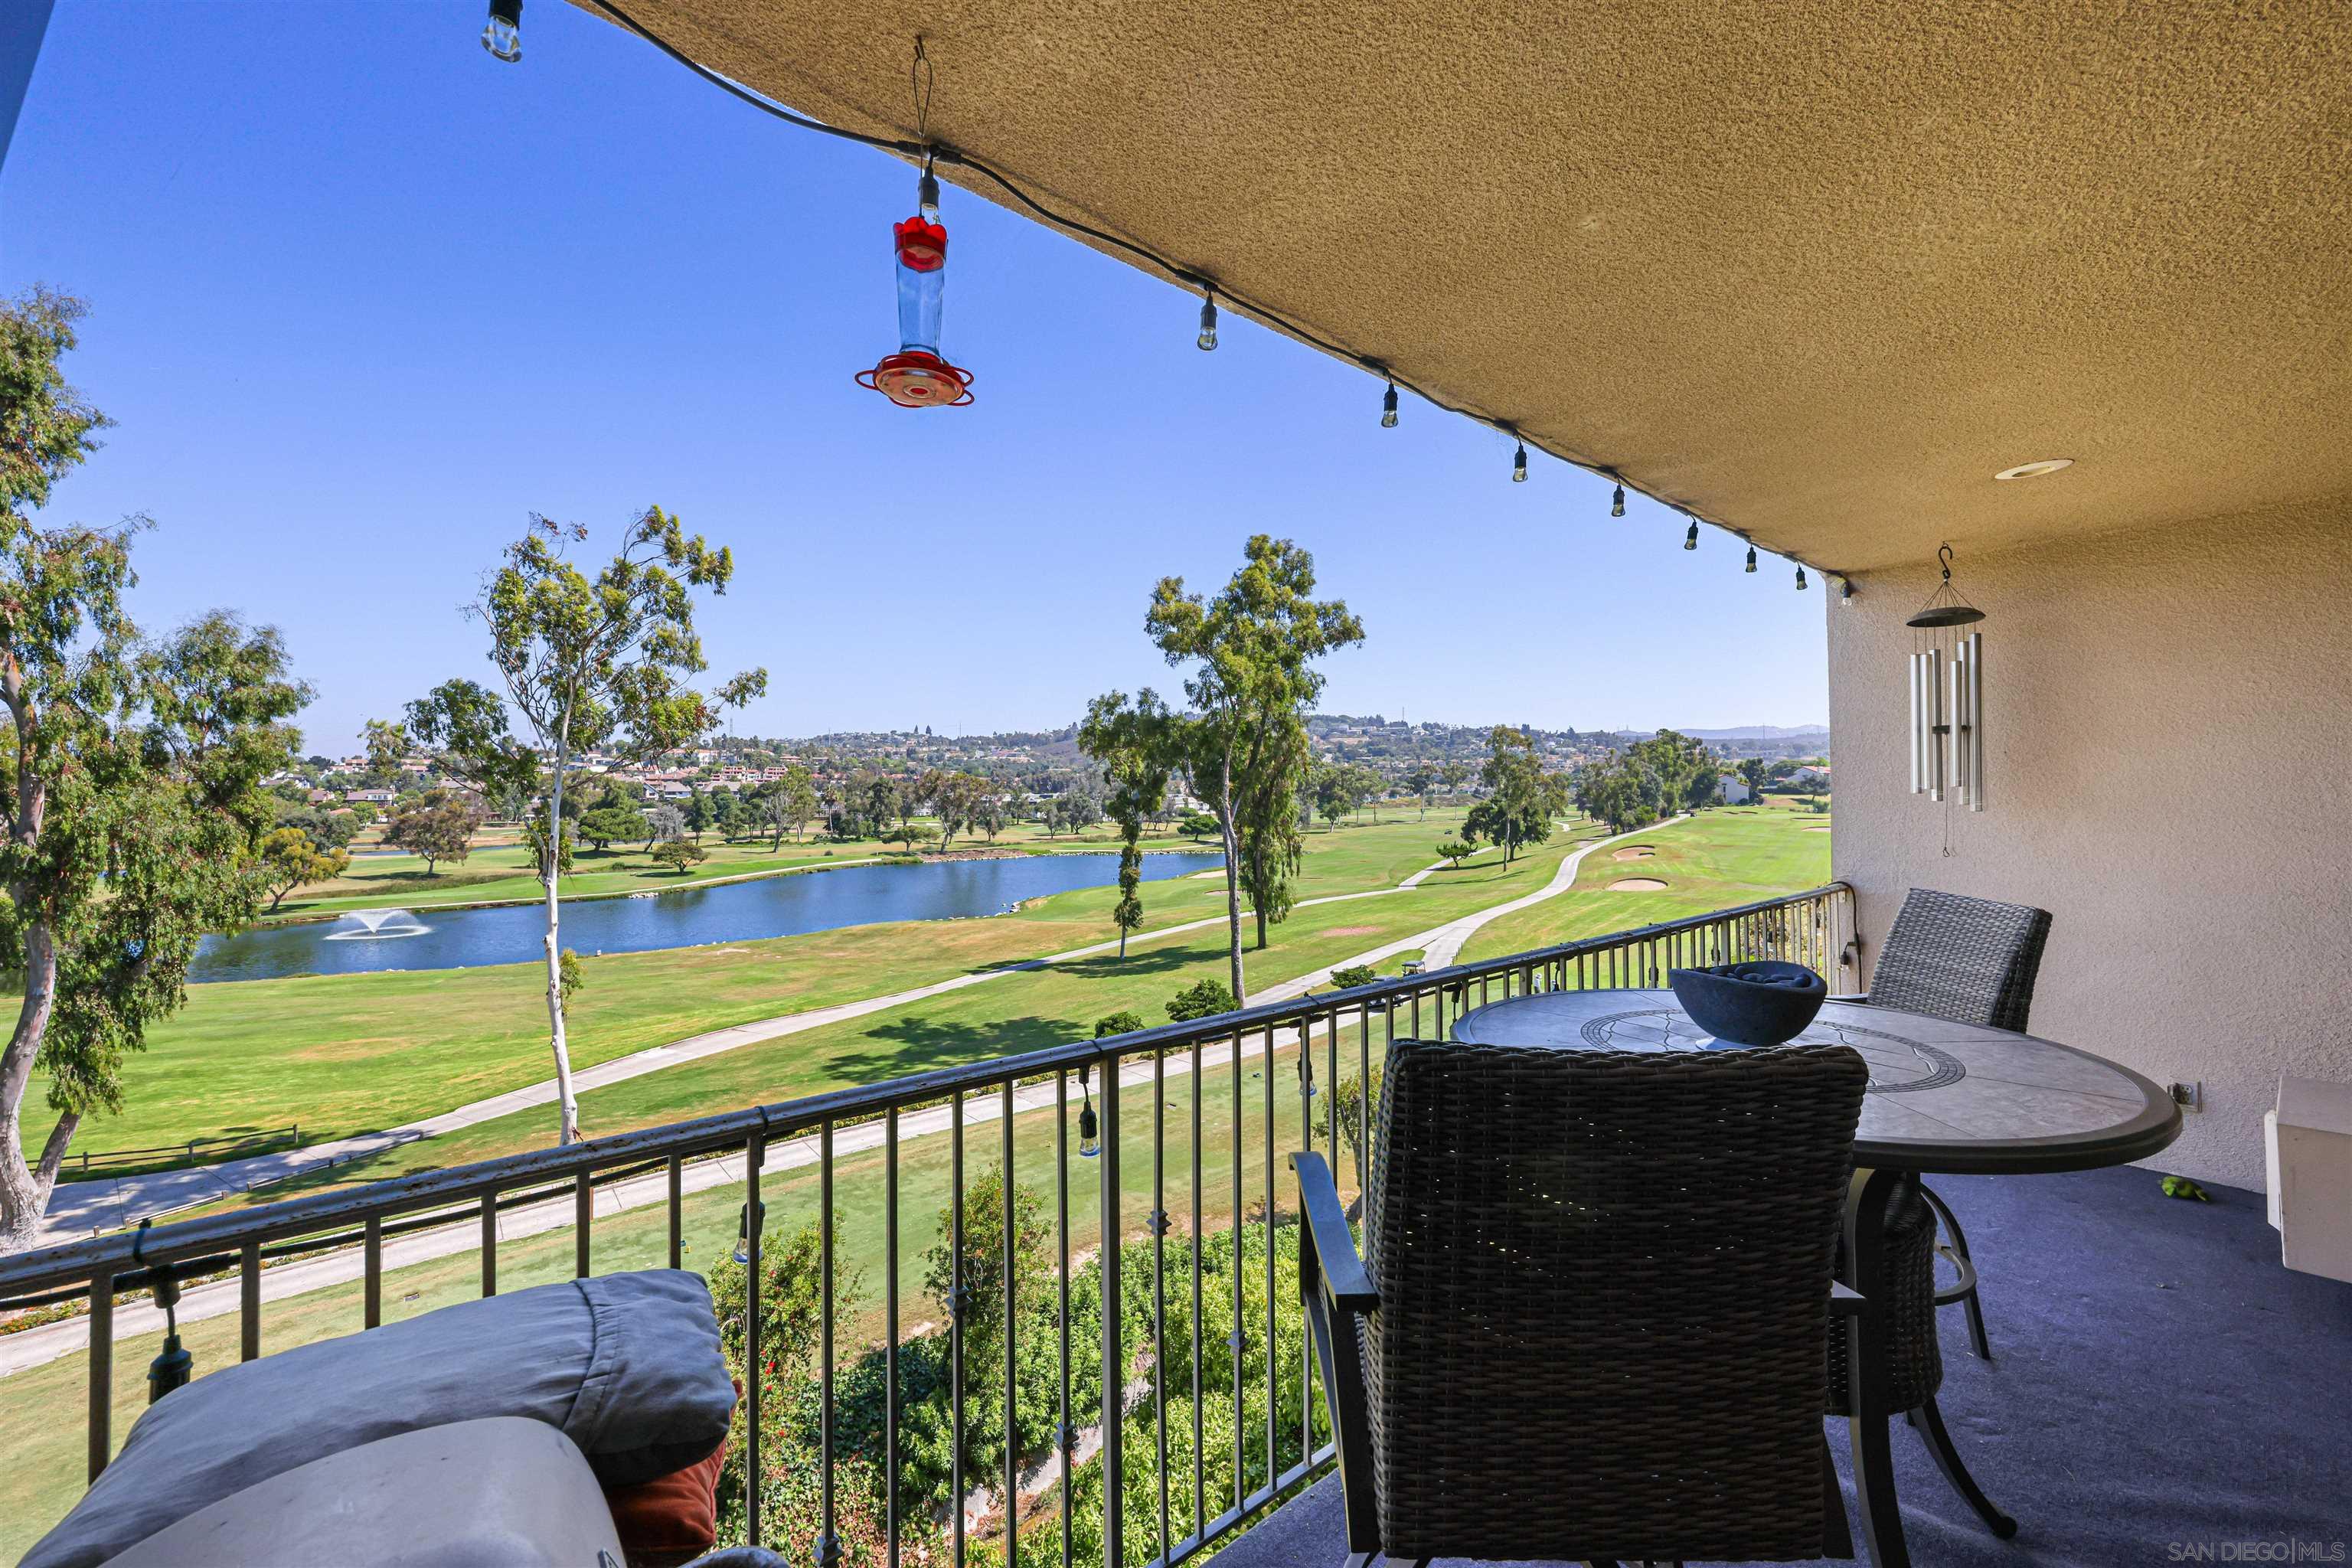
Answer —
(1944, 554)
(918, 78)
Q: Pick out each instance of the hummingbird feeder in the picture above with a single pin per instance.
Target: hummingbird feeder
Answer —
(918, 376)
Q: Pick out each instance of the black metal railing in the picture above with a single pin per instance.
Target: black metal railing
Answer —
(435, 1213)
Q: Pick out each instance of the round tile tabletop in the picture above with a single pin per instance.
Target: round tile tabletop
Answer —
(1943, 1096)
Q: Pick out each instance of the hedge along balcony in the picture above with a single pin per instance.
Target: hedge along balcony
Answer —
(857, 1162)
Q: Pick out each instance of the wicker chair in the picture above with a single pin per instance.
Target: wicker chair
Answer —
(1597, 1304)
(1972, 960)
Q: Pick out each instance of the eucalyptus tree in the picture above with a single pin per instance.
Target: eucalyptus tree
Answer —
(1520, 801)
(132, 809)
(1136, 747)
(1251, 651)
(604, 662)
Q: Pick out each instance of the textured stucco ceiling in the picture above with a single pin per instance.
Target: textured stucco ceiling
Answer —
(1814, 268)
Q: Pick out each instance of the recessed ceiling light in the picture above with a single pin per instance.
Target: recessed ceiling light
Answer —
(2035, 470)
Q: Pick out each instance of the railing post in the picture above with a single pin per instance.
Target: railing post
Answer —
(489, 1243)
(584, 1213)
(102, 1370)
(890, 1330)
(249, 1302)
(372, 1264)
(1114, 1361)
(676, 1195)
(755, 1151)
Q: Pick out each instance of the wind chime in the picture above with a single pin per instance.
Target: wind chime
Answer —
(1948, 698)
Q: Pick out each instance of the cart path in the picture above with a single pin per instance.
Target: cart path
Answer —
(36, 1347)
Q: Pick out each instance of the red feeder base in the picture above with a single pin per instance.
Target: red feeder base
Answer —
(913, 379)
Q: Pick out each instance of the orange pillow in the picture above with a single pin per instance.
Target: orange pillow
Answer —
(671, 1516)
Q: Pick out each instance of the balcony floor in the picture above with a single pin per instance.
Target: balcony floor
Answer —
(2160, 1379)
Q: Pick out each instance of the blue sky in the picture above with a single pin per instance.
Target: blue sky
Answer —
(362, 299)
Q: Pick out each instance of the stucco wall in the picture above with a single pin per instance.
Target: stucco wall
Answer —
(2169, 725)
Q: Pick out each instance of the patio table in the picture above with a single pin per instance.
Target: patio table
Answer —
(1943, 1098)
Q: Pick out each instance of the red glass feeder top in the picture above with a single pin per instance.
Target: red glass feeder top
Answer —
(922, 247)
(914, 379)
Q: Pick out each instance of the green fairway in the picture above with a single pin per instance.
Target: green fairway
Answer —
(343, 1054)
(1720, 859)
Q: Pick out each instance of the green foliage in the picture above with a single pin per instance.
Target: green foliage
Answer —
(288, 858)
(440, 828)
(1355, 974)
(608, 825)
(131, 801)
(1250, 650)
(1202, 999)
(1454, 849)
(1136, 746)
(1521, 798)
(1119, 1022)
(1356, 1099)
(573, 974)
(2182, 1188)
(1197, 824)
(677, 854)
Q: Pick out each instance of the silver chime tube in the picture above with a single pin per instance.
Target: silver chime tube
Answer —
(1976, 722)
(1933, 685)
(1918, 722)
(1959, 720)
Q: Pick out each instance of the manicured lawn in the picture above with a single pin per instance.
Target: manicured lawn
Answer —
(1729, 856)
(343, 1054)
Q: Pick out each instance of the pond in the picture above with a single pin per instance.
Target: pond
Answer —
(372, 940)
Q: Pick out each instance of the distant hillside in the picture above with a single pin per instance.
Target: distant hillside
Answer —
(1758, 732)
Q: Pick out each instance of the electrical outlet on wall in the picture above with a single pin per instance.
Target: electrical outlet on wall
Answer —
(2190, 1096)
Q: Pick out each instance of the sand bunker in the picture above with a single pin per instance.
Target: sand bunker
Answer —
(1353, 931)
(1636, 885)
(1823, 828)
(1633, 852)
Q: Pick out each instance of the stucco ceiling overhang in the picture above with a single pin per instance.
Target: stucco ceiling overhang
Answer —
(1814, 269)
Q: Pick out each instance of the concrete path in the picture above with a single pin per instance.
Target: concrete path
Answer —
(36, 1347)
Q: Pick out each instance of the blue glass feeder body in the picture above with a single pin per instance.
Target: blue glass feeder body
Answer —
(922, 251)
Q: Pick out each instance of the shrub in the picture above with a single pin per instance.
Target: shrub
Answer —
(1203, 1000)
(1355, 974)
(1453, 850)
(1119, 1022)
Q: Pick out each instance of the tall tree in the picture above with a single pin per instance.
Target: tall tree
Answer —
(130, 797)
(387, 746)
(602, 662)
(441, 827)
(1251, 650)
(799, 796)
(289, 859)
(1520, 801)
(1135, 746)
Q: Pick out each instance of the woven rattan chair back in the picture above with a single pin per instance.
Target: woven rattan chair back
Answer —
(1603, 1281)
(1969, 959)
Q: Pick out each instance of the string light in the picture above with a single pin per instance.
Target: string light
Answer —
(502, 35)
(927, 196)
(1690, 540)
(502, 38)
(1845, 595)
(1801, 579)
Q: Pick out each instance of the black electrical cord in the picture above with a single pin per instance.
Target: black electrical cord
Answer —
(926, 152)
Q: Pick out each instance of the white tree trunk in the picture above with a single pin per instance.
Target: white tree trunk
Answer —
(568, 1128)
(24, 1189)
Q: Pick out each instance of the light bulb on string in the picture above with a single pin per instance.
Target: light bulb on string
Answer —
(1519, 464)
(1617, 501)
(502, 35)
(1801, 579)
(927, 195)
(1088, 1144)
(1389, 407)
(1845, 595)
(1752, 558)
(1690, 539)
(1208, 338)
